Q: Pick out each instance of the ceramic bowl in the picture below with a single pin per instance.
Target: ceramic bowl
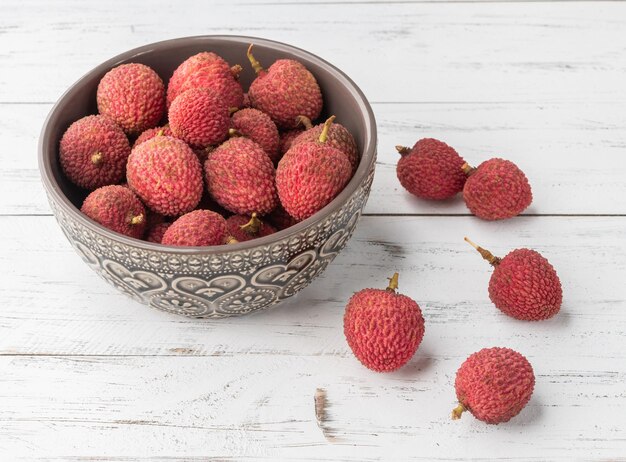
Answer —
(224, 280)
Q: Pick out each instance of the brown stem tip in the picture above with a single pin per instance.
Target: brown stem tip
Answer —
(137, 220)
(232, 110)
(304, 121)
(403, 150)
(236, 70)
(233, 132)
(253, 226)
(253, 62)
(97, 158)
(324, 135)
(393, 283)
(457, 411)
(231, 240)
(493, 260)
(467, 169)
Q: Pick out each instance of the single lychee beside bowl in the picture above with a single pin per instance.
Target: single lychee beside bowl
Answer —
(223, 280)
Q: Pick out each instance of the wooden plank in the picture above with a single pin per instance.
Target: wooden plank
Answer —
(573, 159)
(443, 52)
(54, 305)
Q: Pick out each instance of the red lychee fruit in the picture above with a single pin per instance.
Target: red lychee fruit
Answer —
(338, 137)
(93, 152)
(152, 132)
(311, 175)
(155, 232)
(280, 218)
(286, 138)
(166, 174)
(244, 227)
(207, 70)
(383, 328)
(197, 228)
(496, 189)
(116, 208)
(494, 384)
(285, 91)
(241, 177)
(199, 117)
(259, 127)
(133, 95)
(524, 284)
(431, 170)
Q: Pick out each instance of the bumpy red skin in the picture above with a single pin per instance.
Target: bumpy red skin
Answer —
(241, 177)
(285, 91)
(199, 117)
(383, 328)
(155, 233)
(309, 176)
(166, 174)
(133, 95)
(431, 170)
(280, 218)
(151, 133)
(235, 223)
(338, 137)
(83, 139)
(197, 228)
(286, 139)
(206, 70)
(525, 285)
(498, 189)
(495, 384)
(246, 100)
(260, 128)
(113, 207)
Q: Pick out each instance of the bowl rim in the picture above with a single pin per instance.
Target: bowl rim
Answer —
(367, 162)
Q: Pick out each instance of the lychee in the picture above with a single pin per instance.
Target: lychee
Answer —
(133, 95)
(311, 175)
(117, 208)
(284, 91)
(280, 218)
(286, 138)
(197, 228)
(259, 127)
(199, 117)
(431, 170)
(338, 137)
(494, 384)
(241, 177)
(524, 284)
(151, 133)
(383, 328)
(244, 227)
(155, 232)
(93, 152)
(207, 70)
(496, 189)
(166, 174)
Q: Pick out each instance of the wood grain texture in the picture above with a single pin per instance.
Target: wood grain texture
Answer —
(572, 157)
(85, 371)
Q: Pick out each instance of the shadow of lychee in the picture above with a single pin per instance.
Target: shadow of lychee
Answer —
(530, 415)
(419, 364)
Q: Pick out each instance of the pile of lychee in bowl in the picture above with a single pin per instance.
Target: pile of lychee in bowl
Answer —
(209, 176)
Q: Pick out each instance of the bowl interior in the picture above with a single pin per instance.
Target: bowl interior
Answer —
(341, 97)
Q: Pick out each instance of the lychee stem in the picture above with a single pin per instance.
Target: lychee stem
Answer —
(97, 158)
(137, 220)
(304, 121)
(236, 70)
(393, 283)
(467, 169)
(403, 150)
(457, 411)
(253, 62)
(233, 132)
(232, 110)
(493, 260)
(253, 226)
(324, 135)
(231, 240)
(160, 132)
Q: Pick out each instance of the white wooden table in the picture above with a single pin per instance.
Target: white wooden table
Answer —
(86, 374)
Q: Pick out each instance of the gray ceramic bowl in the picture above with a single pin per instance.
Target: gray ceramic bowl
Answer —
(225, 280)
